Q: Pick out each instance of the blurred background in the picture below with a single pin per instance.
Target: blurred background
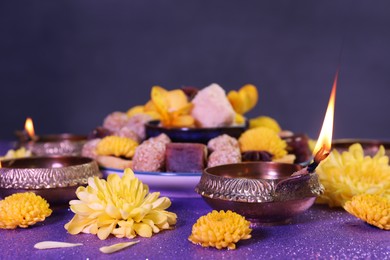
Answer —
(67, 64)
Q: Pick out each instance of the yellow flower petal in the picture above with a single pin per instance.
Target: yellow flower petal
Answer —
(116, 247)
(54, 244)
(143, 230)
(243, 100)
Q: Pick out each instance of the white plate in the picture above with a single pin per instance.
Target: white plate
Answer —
(170, 184)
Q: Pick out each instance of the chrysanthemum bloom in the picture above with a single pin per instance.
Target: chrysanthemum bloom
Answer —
(351, 173)
(122, 207)
(265, 121)
(372, 209)
(23, 210)
(264, 139)
(220, 229)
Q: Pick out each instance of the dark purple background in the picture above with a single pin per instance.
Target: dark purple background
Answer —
(69, 63)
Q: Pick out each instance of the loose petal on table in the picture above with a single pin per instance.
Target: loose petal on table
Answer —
(54, 244)
(116, 247)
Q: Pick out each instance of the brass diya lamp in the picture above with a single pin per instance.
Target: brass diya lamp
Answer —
(370, 146)
(49, 145)
(54, 178)
(268, 192)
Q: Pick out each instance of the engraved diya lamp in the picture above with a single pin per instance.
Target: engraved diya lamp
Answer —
(370, 147)
(54, 178)
(48, 145)
(268, 192)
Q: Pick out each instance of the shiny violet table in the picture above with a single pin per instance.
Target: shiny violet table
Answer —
(319, 233)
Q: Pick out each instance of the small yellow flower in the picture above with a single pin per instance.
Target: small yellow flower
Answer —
(265, 121)
(263, 139)
(373, 209)
(19, 153)
(351, 173)
(122, 207)
(23, 210)
(117, 146)
(220, 229)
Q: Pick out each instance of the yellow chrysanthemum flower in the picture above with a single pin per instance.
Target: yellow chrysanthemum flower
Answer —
(19, 153)
(23, 210)
(351, 173)
(220, 229)
(122, 207)
(263, 139)
(117, 146)
(265, 121)
(372, 209)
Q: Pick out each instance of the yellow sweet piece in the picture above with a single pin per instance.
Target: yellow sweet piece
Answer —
(122, 207)
(352, 173)
(117, 146)
(220, 229)
(23, 210)
(173, 107)
(373, 209)
(263, 139)
(244, 99)
(265, 121)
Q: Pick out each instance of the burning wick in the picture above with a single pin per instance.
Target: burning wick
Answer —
(321, 155)
(324, 142)
(29, 127)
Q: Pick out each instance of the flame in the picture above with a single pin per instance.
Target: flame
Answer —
(29, 127)
(324, 142)
(0, 164)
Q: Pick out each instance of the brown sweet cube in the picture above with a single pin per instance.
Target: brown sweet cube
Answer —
(185, 157)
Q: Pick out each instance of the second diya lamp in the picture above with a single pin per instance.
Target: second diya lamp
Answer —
(50, 145)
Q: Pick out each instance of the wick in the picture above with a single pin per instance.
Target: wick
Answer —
(320, 155)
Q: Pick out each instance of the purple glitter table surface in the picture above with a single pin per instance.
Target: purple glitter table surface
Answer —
(319, 233)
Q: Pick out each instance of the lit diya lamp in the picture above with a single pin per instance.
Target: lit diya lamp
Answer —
(324, 142)
(268, 192)
(55, 144)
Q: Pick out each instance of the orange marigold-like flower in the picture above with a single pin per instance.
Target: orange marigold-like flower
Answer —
(220, 229)
(23, 210)
(372, 209)
(352, 173)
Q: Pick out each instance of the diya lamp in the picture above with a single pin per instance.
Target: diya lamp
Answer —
(268, 192)
(54, 178)
(55, 144)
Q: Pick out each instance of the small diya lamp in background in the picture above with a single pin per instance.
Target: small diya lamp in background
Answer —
(55, 144)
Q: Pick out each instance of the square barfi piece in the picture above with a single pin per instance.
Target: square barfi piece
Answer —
(185, 157)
